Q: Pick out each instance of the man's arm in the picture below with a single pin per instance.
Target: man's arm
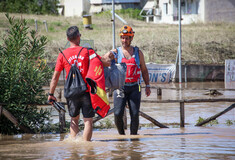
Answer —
(107, 58)
(53, 85)
(145, 73)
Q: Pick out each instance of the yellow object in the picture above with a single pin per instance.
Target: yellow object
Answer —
(87, 21)
(98, 70)
(102, 94)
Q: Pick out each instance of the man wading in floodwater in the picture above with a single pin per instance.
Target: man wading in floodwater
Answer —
(134, 59)
(83, 102)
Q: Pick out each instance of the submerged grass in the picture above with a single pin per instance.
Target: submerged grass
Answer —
(209, 43)
(214, 122)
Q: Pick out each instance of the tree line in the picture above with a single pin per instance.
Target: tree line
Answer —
(30, 6)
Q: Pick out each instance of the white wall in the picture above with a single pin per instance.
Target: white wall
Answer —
(76, 7)
(220, 11)
(86, 6)
(73, 8)
(189, 13)
(166, 17)
(208, 11)
(196, 14)
(201, 11)
(116, 1)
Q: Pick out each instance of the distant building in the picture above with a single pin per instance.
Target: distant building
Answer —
(119, 4)
(193, 11)
(70, 8)
(158, 11)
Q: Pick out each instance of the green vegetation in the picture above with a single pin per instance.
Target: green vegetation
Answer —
(29, 6)
(130, 13)
(200, 119)
(103, 124)
(125, 13)
(23, 72)
(229, 122)
(213, 122)
(147, 125)
(175, 125)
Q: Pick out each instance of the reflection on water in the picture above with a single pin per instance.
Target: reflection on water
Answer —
(169, 112)
(174, 143)
(191, 90)
(212, 142)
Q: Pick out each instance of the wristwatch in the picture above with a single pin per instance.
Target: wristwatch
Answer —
(50, 94)
(147, 86)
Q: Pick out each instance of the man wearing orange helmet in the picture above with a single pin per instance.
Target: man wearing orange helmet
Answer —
(131, 93)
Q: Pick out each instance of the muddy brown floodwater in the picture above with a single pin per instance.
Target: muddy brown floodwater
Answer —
(213, 141)
(173, 143)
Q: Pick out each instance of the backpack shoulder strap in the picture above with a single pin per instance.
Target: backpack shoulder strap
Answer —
(119, 55)
(137, 57)
(64, 56)
(67, 59)
(79, 53)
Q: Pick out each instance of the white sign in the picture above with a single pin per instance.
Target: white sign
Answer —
(230, 73)
(160, 73)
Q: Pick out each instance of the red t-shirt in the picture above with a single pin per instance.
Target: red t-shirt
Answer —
(71, 56)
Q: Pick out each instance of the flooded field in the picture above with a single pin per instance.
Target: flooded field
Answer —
(213, 141)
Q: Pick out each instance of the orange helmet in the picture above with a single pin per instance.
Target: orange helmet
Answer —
(126, 31)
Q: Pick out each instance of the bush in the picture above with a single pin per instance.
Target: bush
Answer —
(30, 7)
(124, 13)
(23, 72)
(132, 13)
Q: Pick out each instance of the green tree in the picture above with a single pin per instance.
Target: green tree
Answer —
(23, 72)
(29, 6)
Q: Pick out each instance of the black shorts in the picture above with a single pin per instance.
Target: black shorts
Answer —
(83, 102)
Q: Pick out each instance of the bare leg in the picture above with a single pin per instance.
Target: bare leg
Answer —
(74, 128)
(87, 133)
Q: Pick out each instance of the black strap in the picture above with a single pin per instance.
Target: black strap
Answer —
(79, 53)
(68, 61)
(66, 58)
(63, 76)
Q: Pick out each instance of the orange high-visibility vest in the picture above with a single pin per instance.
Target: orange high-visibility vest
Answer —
(133, 71)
